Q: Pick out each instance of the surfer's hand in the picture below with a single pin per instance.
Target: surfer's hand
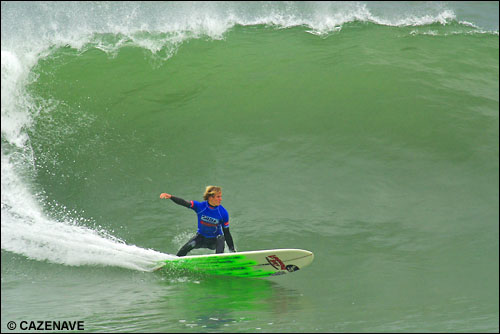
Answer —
(232, 250)
(165, 195)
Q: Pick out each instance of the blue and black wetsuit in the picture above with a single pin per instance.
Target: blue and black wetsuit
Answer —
(213, 227)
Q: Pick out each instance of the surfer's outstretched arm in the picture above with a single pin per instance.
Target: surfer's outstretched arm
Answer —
(176, 200)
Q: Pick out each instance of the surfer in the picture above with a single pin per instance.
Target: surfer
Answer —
(213, 222)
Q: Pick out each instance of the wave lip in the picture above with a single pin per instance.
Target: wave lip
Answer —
(38, 26)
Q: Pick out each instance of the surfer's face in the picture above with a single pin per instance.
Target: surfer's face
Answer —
(215, 199)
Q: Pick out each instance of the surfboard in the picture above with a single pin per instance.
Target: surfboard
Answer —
(259, 263)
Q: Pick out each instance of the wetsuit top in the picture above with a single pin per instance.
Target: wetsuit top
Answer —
(210, 219)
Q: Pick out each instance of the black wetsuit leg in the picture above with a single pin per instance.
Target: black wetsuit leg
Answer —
(195, 242)
(199, 241)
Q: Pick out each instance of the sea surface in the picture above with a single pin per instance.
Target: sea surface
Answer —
(365, 132)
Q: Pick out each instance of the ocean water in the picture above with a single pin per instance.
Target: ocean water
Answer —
(365, 132)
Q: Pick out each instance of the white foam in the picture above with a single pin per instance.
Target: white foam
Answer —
(28, 231)
(13, 117)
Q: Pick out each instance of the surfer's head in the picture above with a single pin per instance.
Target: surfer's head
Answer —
(213, 195)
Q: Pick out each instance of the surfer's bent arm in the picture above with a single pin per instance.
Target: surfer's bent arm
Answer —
(229, 239)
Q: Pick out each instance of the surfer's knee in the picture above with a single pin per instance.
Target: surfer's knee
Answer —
(187, 248)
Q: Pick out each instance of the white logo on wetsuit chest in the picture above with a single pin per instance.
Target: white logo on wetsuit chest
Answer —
(209, 219)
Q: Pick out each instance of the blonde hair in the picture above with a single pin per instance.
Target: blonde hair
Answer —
(211, 191)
